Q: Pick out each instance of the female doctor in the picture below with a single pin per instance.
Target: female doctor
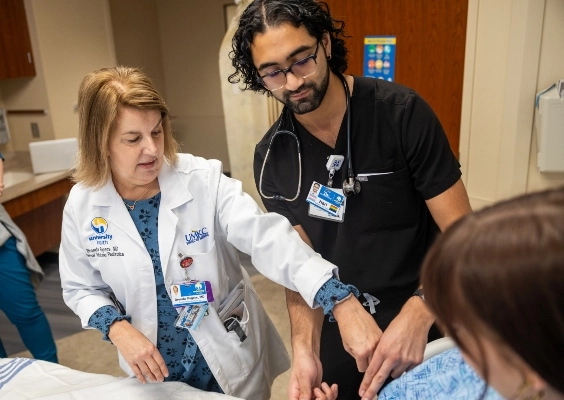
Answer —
(143, 218)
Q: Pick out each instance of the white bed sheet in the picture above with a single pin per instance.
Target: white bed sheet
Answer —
(23, 379)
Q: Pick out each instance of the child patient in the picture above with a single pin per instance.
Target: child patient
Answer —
(495, 281)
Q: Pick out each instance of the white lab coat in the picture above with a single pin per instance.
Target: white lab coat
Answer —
(101, 251)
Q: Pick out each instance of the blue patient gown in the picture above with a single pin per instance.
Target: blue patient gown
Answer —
(445, 376)
(182, 356)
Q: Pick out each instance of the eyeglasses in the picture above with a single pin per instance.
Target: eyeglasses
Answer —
(302, 69)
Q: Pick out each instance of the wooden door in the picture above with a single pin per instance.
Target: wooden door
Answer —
(16, 58)
(431, 37)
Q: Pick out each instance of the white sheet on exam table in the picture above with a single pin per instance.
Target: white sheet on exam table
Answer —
(49, 381)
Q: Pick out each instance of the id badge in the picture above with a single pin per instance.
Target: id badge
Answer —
(317, 212)
(326, 198)
(193, 292)
(191, 315)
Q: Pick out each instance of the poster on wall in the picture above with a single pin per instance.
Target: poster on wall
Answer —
(380, 57)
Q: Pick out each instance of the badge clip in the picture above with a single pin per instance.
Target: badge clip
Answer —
(334, 163)
(185, 263)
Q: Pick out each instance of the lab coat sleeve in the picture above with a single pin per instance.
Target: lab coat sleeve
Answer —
(275, 247)
(84, 291)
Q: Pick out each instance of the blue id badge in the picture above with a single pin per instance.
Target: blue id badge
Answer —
(191, 315)
(327, 199)
(193, 292)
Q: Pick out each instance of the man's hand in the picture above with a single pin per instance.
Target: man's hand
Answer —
(305, 375)
(359, 331)
(401, 347)
(139, 352)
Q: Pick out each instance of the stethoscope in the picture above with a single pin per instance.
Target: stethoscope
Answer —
(350, 184)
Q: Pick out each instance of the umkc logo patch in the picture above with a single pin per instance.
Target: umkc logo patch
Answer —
(196, 236)
(100, 226)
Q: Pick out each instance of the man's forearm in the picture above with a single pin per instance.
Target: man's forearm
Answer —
(418, 312)
(305, 323)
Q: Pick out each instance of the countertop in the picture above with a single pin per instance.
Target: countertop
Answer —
(20, 161)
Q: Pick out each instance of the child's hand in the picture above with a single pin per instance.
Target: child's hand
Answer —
(326, 392)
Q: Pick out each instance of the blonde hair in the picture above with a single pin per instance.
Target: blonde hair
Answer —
(102, 93)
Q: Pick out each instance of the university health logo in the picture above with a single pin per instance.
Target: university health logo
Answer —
(100, 226)
(199, 286)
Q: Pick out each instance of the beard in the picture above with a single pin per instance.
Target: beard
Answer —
(311, 102)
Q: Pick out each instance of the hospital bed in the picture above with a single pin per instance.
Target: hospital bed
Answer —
(24, 378)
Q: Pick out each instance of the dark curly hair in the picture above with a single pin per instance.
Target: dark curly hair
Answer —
(261, 14)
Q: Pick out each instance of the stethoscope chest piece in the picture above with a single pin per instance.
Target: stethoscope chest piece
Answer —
(350, 187)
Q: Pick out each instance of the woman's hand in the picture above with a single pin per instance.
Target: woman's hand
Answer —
(138, 351)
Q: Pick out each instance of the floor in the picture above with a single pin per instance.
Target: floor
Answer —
(84, 350)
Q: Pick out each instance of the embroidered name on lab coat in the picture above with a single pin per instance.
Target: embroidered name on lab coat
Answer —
(104, 252)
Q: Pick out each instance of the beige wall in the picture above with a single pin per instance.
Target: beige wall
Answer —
(135, 24)
(504, 68)
(191, 34)
(75, 38)
(69, 39)
(176, 43)
(551, 68)
(27, 94)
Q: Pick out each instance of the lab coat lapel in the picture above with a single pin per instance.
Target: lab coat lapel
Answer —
(174, 193)
(107, 196)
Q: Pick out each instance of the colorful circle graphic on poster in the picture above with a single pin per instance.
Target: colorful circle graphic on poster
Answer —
(380, 57)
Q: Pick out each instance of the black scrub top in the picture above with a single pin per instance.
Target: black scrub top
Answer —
(387, 227)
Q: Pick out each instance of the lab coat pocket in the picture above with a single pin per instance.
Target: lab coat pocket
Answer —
(246, 330)
(260, 357)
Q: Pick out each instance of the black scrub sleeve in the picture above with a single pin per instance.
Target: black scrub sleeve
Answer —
(432, 164)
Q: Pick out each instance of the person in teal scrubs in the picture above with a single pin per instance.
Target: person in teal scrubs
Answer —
(19, 276)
